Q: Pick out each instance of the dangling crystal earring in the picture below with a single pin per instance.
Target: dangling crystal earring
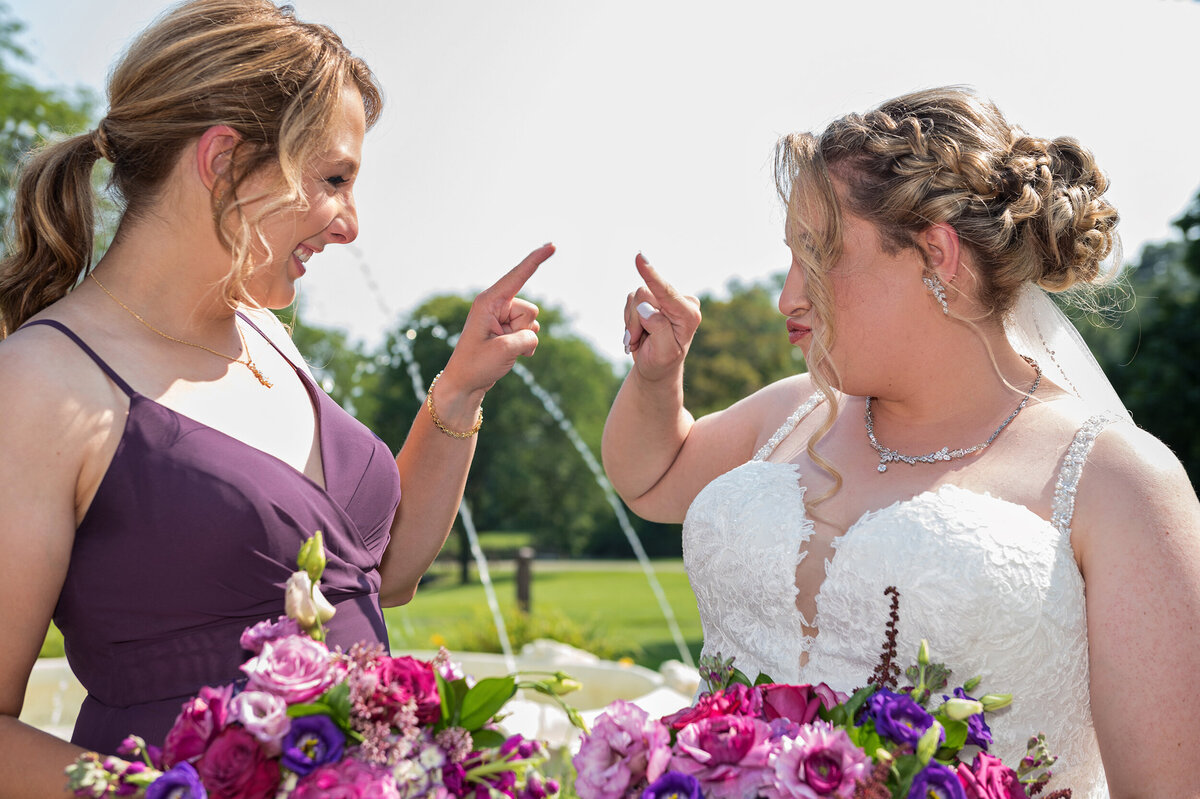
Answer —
(938, 290)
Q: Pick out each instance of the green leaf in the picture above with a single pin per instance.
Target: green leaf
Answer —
(487, 739)
(485, 699)
(309, 709)
(763, 679)
(740, 677)
(956, 734)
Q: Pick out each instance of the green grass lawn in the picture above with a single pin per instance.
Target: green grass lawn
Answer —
(604, 606)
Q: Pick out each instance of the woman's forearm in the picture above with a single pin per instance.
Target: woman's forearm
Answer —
(32, 762)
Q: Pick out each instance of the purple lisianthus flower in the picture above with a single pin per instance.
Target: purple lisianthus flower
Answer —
(978, 732)
(820, 762)
(727, 754)
(254, 637)
(935, 781)
(625, 750)
(898, 717)
(674, 785)
(312, 741)
(181, 782)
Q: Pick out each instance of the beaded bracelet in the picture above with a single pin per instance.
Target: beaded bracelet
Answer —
(438, 421)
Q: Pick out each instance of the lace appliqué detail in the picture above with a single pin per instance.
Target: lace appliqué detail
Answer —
(788, 426)
(1063, 509)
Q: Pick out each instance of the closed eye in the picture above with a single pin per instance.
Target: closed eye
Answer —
(336, 180)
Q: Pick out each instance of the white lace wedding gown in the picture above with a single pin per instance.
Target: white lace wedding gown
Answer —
(992, 586)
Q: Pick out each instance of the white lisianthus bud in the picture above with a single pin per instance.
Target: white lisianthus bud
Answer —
(995, 701)
(304, 601)
(962, 709)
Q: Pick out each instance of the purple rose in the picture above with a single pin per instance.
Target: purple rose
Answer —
(181, 782)
(935, 781)
(674, 785)
(347, 779)
(736, 700)
(310, 742)
(821, 761)
(254, 637)
(798, 703)
(625, 750)
(727, 754)
(264, 716)
(235, 767)
(295, 668)
(898, 717)
(989, 778)
(201, 718)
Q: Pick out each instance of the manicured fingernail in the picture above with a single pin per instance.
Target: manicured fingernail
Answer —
(645, 310)
(626, 342)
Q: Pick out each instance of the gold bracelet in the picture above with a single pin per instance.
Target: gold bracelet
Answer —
(438, 421)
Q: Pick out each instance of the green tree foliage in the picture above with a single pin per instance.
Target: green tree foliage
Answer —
(740, 347)
(1151, 352)
(29, 114)
(347, 372)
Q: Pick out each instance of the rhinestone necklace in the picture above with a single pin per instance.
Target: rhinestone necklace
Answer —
(248, 363)
(888, 455)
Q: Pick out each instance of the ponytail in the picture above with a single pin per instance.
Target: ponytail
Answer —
(51, 229)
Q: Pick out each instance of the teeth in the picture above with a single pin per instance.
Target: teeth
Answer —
(302, 254)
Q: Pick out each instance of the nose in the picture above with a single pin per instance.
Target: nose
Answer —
(793, 299)
(344, 227)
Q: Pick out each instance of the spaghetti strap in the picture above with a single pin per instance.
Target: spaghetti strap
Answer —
(271, 341)
(108, 370)
(788, 426)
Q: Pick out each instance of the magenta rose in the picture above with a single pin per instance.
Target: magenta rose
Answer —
(736, 700)
(397, 680)
(727, 754)
(296, 669)
(348, 779)
(201, 718)
(989, 778)
(625, 750)
(798, 703)
(235, 767)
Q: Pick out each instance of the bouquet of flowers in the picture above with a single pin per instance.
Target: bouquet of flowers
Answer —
(763, 739)
(313, 722)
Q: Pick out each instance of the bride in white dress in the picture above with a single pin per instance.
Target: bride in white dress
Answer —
(944, 441)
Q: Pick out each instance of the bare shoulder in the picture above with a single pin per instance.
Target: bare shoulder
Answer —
(763, 412)
(1132, 486)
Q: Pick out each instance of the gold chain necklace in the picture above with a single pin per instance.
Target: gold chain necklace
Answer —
(248, 363)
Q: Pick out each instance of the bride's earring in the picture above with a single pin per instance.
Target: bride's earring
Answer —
(938, 289)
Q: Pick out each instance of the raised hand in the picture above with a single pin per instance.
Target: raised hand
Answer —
(499, 328)
(659, 324)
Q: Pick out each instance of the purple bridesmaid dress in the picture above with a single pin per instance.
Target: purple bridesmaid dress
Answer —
(190, 538)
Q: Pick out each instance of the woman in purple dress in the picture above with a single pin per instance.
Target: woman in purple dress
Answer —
(165, 451)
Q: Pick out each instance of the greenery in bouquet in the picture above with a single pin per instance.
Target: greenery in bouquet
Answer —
(745, 739)
(311, 722)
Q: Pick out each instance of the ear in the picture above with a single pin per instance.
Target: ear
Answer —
(942, 251)
(214, 154)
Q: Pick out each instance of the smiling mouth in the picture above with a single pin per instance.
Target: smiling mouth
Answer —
(302, 254)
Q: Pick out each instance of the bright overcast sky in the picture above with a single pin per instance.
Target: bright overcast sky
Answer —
(625, 125)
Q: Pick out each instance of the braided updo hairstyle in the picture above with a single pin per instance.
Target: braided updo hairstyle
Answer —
(1029, 210)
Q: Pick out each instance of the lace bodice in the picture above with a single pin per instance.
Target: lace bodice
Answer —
(993, 587)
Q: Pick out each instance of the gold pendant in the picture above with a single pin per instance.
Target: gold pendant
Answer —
(261, 377)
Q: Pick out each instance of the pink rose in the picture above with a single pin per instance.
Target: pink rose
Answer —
(296, 669)
(201, 718)
(348, 779)
(254, 637)
(736, 700)
(264, 716)
(798, 703)
(235, 767)
(397, 680)
(625, 750)
(989, 778)
(727, 754)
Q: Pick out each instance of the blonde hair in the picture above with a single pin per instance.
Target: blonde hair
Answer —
(1027, 209)
(248, 64)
